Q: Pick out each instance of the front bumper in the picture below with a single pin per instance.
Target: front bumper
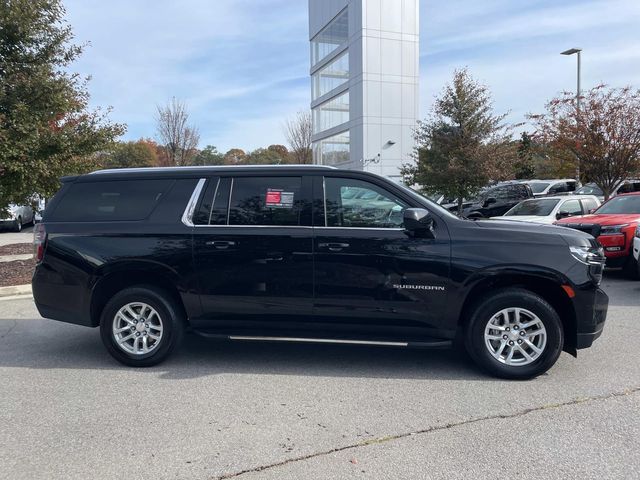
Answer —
(591, 314)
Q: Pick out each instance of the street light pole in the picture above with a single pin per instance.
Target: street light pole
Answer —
(577, 51)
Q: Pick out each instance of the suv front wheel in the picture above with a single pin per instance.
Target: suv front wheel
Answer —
(141, 326)
(514, 334)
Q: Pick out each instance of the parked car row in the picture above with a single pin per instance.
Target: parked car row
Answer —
(615, 224)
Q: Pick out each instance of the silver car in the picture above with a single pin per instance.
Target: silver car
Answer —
(18, 215)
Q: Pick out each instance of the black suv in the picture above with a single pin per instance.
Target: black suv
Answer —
(498, 200)
(309, 254)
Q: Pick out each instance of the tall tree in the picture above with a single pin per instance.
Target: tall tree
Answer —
(209, 155)
(235, 156)
(463, 145)
(298, 131)
(46, 127)
(130, 154)
(178, 138)
(603, 135)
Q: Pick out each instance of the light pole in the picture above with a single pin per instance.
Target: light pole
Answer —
(573, 51)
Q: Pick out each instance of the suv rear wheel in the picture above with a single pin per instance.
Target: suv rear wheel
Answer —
(141, 326)
(514, 334)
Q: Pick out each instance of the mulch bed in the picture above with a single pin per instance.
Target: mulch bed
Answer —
(18, 272)
(16, 249)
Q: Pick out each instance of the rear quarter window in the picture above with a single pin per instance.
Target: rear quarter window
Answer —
(121, 200)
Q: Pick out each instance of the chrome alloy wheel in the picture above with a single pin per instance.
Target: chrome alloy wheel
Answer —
(515, 336)
(137, 328)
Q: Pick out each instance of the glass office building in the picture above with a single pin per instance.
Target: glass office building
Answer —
(364, 82)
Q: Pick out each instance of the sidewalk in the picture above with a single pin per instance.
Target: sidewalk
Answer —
(7, 238)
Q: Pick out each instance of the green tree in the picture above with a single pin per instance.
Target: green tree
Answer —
(46, 128)
(209, 155)
(130, 154)
(263, 156)
(525, 166)
(463, 145)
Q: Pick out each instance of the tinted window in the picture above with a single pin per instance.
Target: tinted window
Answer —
(571, 207)
(538, 187)
(559, 188)
(629, 187)
(214, 205)
(267, 201)
(370, 207)
(122, 200)
(542, 208)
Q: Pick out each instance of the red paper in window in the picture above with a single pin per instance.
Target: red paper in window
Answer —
(273, 198)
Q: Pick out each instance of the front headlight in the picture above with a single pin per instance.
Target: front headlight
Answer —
(612, 229)
(638, 231)
(588, 255)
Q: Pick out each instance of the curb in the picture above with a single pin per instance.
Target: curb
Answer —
(14, 258)
(15, 291)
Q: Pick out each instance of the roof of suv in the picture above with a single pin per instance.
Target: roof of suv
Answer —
(191, 171)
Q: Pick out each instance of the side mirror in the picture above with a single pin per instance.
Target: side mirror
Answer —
(418, 222)
(560, 215)
(489, 201)
(592, 210)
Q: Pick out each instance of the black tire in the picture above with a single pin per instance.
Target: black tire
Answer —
(632, 268)
(173, 325)
(482, 312)
(17, 225)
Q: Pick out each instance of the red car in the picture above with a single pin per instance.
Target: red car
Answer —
(614, 225)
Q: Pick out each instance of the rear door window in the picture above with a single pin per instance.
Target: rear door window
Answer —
(120, 200)
(266, 201)
(214, 206)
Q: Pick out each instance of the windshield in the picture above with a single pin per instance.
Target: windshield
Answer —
(622, 204)
(539, 208)
(539, 187)
(589, 190)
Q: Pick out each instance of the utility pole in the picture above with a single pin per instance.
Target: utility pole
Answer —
(577, 51)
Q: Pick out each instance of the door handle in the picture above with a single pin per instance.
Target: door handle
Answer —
(275, 257)
(221, 244)
(334, 247)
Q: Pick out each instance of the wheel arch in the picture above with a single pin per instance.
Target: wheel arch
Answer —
(119, 278)
(548, 285)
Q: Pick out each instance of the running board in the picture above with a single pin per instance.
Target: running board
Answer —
(412, 344)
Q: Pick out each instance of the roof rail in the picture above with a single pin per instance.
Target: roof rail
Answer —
(204, 167)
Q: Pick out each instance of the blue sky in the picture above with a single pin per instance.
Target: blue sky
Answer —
(242, 66)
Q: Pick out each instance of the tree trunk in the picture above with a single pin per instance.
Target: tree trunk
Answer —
(460, 206)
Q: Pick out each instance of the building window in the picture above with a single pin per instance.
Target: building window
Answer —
(331, 114)
(330, 38)
(331, 76)
(333, 150)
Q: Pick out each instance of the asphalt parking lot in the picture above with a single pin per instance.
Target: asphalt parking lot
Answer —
(258, 410)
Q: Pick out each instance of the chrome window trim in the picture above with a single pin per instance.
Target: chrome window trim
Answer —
(213, 200)
(324, 199)
(233, 179)
(187, 216)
